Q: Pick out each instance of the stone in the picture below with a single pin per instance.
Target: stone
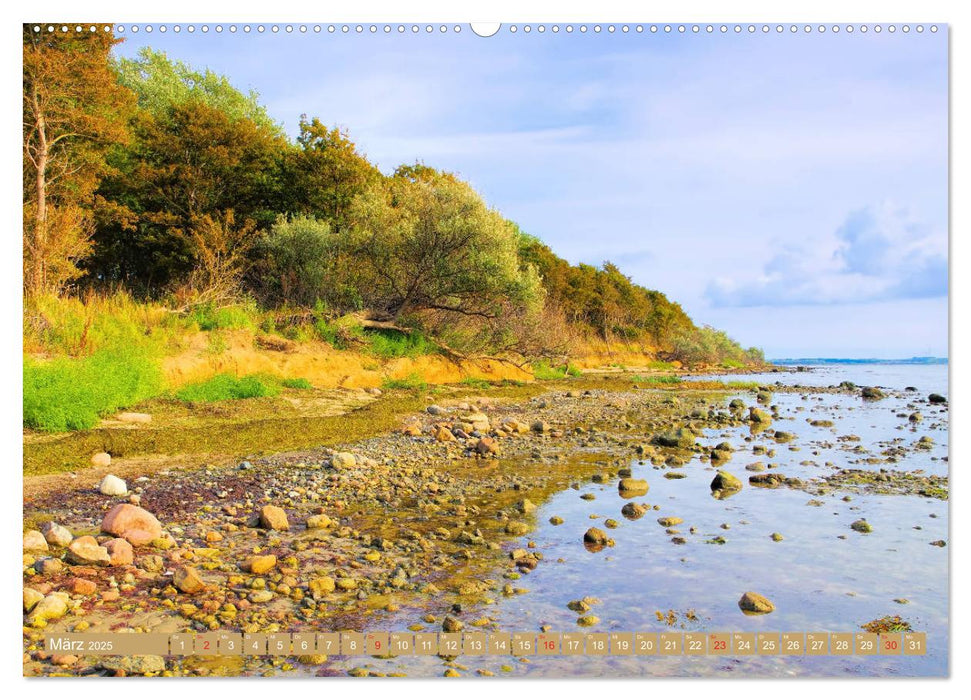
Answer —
(588, 621)
(82, 586)
(757, 415)
(273, 518)
(48, 566)
(31, 598)
(767, 480)
(435, 410)
(634, 511)
(755, 604)
(556, 520)
(111, 485)
(321, 586)
(487, 446)
(319, 522)
(776, 537)
(595, 536)
(670, 521)
(443, 434)
(725, 481)
(629, 488)
(538, 426)
(526, 506)
(152, 563)
(259, 564)
(51, 607)
(342, 460)
(187, 580)
(133, 523)
(682, 437)
(936, 399)
(101, 459)
(452, 624)
(872, 393)
(861, 525)
(131, 417)
(134, 665)
(120, 551)
(478, 421)
(56, 535)
(34, 541)
(86, 551)
(346, 584)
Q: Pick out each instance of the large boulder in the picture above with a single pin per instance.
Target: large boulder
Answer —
(101, 459)
(86, 551)
(757, 415)
(134, 524)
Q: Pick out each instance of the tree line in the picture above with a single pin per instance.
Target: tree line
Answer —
(148, 175)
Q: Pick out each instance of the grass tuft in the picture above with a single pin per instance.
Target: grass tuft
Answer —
(412, 381)
(224, 387)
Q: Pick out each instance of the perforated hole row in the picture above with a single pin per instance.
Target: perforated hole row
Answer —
(512, 28)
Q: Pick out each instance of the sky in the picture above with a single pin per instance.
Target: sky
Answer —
(791, 189)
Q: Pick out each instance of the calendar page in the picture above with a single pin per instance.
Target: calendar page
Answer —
(492, 350)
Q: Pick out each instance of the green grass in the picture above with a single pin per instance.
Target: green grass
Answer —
(223, 387)
(412, 381)
(391, 344)
(542, 370)
(210, 318)
(656, 379)
(660, 365)
(477, 383)
(747, 386)
(296, 383)
(74, 393)
(732, 364)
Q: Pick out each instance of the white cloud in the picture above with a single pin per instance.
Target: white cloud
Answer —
(878, 253)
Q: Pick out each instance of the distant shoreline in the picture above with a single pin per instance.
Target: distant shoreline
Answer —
(859, 361)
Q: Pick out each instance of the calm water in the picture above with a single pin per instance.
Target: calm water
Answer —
(817, 581)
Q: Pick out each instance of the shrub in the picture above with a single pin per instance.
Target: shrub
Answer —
(211, 318)
(297, 383)
(73, 393)
(223, 387)
(542, 370)
(390, 344)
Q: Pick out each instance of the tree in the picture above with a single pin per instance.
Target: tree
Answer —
(187, 163)
(73, 113)
(159, 82)
(326, 172)
(432, 244)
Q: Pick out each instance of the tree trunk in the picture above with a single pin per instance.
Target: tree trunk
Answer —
(39, 263)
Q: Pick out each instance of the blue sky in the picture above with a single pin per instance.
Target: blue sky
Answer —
(790, 189)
